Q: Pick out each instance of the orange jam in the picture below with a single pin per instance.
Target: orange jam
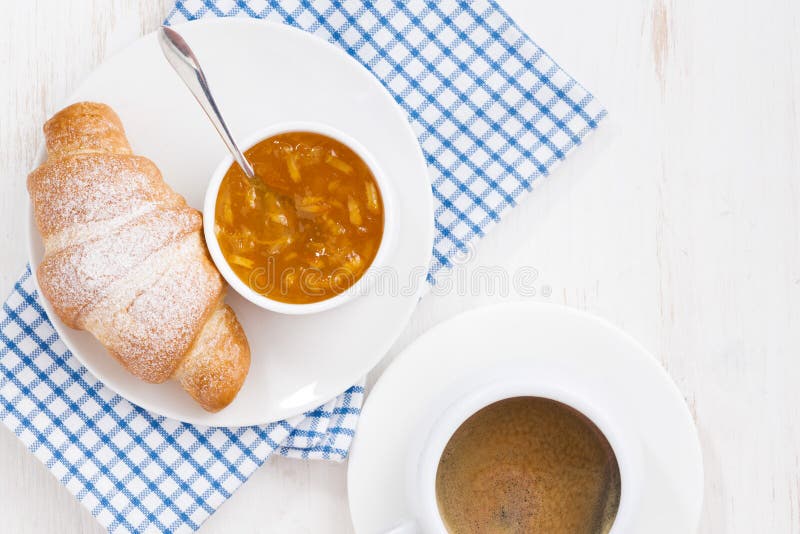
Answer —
(311, 229)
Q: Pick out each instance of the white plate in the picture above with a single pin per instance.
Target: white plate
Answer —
(263, 73)
(623, 375)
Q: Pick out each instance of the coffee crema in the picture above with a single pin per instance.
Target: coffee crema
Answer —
(528, 465)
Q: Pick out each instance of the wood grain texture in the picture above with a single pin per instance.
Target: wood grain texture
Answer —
(677, 221)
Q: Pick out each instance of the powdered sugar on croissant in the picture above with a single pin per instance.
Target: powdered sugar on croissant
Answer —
(125, 260)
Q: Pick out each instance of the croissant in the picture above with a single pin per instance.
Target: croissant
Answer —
(124, 259)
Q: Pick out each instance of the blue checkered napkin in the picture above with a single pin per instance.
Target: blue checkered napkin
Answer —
(136, 471)
(492, 112)
(491, 109)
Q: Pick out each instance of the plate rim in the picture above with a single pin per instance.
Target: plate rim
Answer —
(32, 233)
(570, 313)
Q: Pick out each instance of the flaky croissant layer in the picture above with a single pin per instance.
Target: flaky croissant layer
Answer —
(125, 260)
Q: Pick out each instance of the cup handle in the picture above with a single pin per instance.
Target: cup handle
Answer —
(406, 527)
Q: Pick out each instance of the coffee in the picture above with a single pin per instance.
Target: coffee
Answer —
(528, 465)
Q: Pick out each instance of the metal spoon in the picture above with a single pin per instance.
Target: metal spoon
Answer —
(185, 63)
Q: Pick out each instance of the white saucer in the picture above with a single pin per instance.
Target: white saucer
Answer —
(264, 73)
(547, 339)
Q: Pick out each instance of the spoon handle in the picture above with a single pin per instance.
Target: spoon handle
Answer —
(183, 60)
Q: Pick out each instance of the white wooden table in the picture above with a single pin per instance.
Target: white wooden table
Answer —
(678, 221)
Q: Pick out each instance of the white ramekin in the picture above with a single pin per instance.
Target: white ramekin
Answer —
(363, 284)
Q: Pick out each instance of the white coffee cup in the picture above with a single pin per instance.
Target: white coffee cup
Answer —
(468, 397)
